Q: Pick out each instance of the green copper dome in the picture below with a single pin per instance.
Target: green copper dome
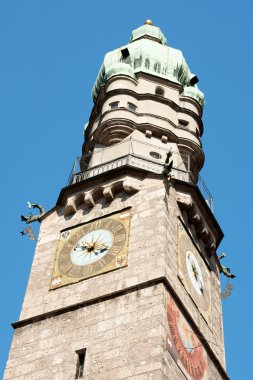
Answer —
(148, 52)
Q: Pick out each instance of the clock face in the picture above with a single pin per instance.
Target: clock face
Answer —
(184, 345)
(194, 273)
(91, 249)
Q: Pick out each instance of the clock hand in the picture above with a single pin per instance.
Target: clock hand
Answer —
(198, 280)
(98, 238)
(103, 249)
(81, 246)
(197, 277)
(200, 285)
(94, 243)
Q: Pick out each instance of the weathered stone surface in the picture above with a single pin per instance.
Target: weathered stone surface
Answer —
(124, 336)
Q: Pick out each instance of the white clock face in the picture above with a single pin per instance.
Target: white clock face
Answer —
(91, 247)
(194, 272)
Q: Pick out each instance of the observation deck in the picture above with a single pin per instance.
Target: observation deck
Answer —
(151, 160)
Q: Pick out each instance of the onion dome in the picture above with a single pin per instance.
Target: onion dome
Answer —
(148, 52)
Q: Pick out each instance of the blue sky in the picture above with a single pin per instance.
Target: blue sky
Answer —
(51, 52)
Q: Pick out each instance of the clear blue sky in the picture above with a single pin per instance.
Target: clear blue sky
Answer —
(51, 51)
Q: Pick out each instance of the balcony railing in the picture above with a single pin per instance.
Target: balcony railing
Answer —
(151, 159)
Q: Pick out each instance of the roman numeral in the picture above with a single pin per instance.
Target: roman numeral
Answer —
(117, 228)
(88, 270)
(79, 234)
(68, 245)
(97, 224)
(64, 261)
(102, 263)
(108, 224)
(120, 238)
(114, 250)
(74, 272)
(65, 267)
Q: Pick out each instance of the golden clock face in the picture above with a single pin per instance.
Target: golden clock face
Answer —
(91, 249)
(193, 272)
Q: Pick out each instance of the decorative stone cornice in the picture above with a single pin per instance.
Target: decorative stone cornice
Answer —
(108, 191)
(113, 131)
(196, 218)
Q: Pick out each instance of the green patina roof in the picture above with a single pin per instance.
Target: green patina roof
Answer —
(148, 53)
(148, 31)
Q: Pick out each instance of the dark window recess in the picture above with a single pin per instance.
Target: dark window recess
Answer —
(155, 155)
(194, 80)
(125, 53)
(131, 106)
(147, 63)
(114, 105)
(159, 91)
(183, 123)
(157, 67)
(80, 364)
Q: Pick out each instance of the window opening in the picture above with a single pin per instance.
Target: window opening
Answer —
(157, 67)
(114, 105)
(155, 155)
(194, 80)
(131, 106)
(125, 53)
(80, 364)
(147, 63)
(159, 91)
(183, 123)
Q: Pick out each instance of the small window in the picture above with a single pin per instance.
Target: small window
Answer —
(157, 67)
(159, 91)
(125, 53)
(147, 63)
(114, 105)
(183, 123)
(155, 155)
(131, 106)
(80, 364)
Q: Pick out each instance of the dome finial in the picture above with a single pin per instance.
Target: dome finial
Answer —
(148, 22)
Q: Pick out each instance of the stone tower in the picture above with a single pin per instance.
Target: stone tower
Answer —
(125, 277)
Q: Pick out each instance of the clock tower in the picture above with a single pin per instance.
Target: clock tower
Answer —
(125, 278)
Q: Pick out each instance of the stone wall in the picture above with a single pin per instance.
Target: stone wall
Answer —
(122, 328)
(124, 338)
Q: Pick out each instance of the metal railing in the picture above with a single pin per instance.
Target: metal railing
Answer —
(205, 192)
(151, 159)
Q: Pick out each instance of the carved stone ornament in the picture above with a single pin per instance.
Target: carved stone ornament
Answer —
(33, 218)
(129, 185)
(196, 218)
